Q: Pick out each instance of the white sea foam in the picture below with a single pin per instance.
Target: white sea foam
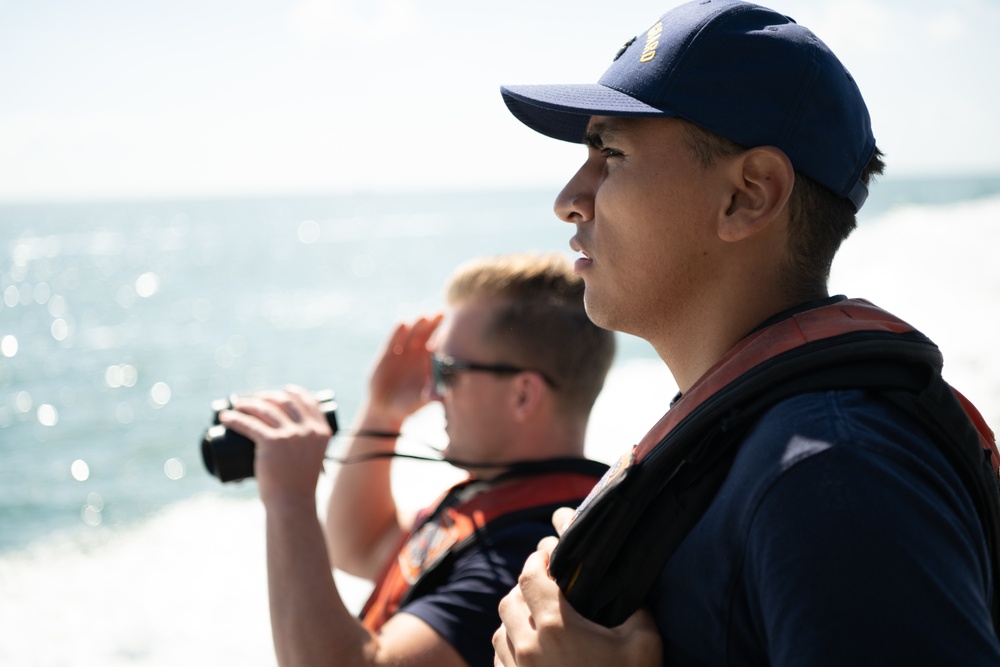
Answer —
(186, 588)
(936, 267)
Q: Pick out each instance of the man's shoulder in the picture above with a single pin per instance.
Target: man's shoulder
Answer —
(858, 418)
(846, 436)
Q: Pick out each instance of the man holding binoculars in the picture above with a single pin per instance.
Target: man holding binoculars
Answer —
(517, 365)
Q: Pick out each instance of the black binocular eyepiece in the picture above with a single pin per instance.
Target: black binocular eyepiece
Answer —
(229, 456)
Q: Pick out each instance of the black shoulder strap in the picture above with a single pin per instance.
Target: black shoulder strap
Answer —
(611, 555)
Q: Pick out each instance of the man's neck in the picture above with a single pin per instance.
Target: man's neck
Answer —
(690, 353)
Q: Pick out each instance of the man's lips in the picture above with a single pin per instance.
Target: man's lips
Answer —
(582, 262)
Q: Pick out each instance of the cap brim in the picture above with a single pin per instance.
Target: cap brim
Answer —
(563, 111)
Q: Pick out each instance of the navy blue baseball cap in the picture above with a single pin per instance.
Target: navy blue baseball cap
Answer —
(734, 68)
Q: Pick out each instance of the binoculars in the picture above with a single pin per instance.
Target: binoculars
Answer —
(229, 456)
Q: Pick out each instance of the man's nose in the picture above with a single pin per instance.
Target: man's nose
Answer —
(576, 201)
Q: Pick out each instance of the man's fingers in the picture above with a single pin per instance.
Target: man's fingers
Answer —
(547, 544)
(512, 608)
(503, 650)
(516, 621)
(423, 328)
(561, 519)
(411, 337)
(247, 425)
(536, 590)
(265, 414)
(260, 407)
(398, 338)
(298, 403)
(537, 564)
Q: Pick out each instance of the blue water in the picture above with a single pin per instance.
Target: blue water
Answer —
(121, 322)
(201, 299)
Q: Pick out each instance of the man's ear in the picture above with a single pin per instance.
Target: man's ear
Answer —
(761, 180)
(528, 394)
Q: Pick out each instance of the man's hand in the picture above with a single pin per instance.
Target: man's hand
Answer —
(541, 628)
(291, 435)
(399, 383)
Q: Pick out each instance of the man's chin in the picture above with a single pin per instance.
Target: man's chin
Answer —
(456, 458)
(598, 315)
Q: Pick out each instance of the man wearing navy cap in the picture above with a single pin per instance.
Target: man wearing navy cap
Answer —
(728, 152)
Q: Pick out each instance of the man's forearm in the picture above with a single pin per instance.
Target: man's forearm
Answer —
(309, 621)
(361, 519)
(363, 526)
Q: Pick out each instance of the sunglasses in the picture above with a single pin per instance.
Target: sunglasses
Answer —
(444, 368)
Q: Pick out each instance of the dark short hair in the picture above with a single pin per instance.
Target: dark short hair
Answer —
(818, 221)
(539, 321)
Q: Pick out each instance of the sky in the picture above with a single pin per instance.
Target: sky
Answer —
(133, 99)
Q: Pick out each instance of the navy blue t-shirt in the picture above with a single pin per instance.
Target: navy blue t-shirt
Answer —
(463, 609)
(841, 536)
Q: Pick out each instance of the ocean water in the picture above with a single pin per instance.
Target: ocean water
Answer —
(121, 322)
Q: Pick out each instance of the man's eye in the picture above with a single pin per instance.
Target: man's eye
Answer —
(611, 152)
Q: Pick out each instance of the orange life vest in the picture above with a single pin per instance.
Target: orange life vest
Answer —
(637, 515)
(530, 492)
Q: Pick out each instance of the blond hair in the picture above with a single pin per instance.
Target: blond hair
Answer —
(539, 321)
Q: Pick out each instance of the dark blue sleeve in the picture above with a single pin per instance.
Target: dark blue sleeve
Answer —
(463, 610)
(857, 556)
